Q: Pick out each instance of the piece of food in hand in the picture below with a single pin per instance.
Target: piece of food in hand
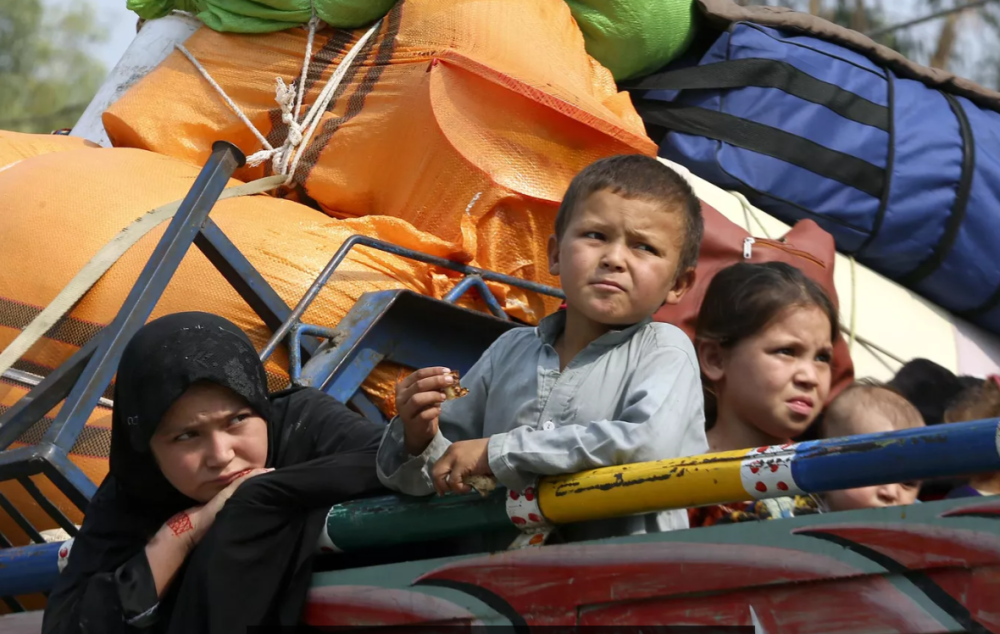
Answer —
(455, 390)
(484, 485)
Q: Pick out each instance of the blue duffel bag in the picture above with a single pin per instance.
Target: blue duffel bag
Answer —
(906, 177)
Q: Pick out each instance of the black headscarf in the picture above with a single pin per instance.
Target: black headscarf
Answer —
(158, 365)
(253, 565)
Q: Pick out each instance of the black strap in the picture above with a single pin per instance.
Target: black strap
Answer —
(890, 162)
(756, 137)
(958, 209)
(768, 73)
(923, 582)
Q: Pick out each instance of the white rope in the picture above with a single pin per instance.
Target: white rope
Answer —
(289, 99)
(222, 93)
(472, 202)
(750, 212)
(318, 108)
(7, 167)
(854, 305)
(313, 24)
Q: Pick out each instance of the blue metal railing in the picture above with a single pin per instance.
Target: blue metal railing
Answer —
(474, 278)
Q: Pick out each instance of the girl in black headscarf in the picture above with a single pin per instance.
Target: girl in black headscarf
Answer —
(217, 491)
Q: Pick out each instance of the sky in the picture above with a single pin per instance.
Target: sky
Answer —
(121, 23)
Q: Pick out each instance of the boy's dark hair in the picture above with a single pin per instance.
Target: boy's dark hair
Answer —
(645, 178)
(742, 299)
(931, 387)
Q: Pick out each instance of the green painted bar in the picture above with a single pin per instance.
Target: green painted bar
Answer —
(816, 467)
(390, 519)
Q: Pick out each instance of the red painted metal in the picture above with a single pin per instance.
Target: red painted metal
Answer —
(978, 590)
(810, 608)
(365, 606)
(919, 547)
(916, 575)
(548, 588)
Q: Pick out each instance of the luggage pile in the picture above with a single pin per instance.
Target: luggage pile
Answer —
(440, 131)
(454, 128)
(900, 163)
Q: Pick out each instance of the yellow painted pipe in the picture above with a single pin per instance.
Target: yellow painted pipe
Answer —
(643, 487)
(721, 478)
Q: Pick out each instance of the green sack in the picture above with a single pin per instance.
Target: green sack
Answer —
(266, 16)
(632, 38)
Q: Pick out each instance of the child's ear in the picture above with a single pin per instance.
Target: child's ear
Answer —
(711, 357)
(553, 254)
(682, 284)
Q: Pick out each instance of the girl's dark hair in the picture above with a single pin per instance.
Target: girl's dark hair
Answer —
(975, 403)
(742, 299)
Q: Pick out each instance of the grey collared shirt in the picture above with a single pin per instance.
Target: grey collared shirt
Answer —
(633, 395)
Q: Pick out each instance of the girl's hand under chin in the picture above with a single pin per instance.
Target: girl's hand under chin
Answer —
(192, 524)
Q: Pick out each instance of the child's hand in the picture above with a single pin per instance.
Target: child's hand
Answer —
(462, 459)
(418, 403)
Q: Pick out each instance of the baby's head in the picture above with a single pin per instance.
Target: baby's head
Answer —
(765, 343)
(869, 408)
(626, 240)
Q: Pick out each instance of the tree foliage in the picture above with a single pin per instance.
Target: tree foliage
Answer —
(966, 42)
(860, 15)
(47, 71)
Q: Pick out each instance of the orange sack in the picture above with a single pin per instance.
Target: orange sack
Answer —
(465, 119)
(17, 146)
(91, 450)
(53, 226)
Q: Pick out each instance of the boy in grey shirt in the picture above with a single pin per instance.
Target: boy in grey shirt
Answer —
(595, 385)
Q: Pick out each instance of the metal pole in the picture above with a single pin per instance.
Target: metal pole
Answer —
(732, 476)
(34, 405)
(29, 569)
(388, 247)
(809, 467)
(153, 279)
(474, 281)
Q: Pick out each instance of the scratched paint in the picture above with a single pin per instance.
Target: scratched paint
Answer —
(643, 488)
(794, 582)
(810, 467)
(767, 470)
(363, 606)
(914, 454)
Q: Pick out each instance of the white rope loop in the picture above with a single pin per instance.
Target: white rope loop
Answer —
(285, 159)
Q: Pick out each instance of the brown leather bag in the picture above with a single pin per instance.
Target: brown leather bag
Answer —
(806, 246)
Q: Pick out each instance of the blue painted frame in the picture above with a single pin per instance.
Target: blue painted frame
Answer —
(81, 381)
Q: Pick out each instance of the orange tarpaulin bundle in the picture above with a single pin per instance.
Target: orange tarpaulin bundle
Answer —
(52, 226)
(466, 119)
(17, 146)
